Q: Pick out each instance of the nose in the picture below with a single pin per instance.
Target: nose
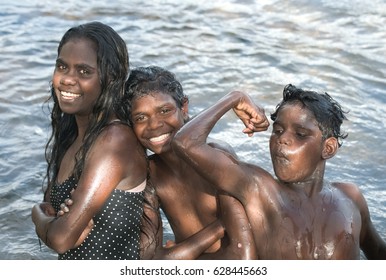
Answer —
(154, 123)
(284, 138)
(68, 78)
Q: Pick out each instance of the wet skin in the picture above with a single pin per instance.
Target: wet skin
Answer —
(121, 164)
(316, 220)
(186, 197)
(188, 204)
(297, 215)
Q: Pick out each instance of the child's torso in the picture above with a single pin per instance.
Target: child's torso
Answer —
(291, 226)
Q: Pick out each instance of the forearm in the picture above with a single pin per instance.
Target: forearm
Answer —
(42, 223)
(195, 245)
(52, 231)
(198, 129)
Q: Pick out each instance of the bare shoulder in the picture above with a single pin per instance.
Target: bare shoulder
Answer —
(352, 191)
(346, 187)
(117, 144)
(117, 133)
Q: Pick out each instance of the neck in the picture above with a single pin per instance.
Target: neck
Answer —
(82, 122)
(310, 186)
(174, 162)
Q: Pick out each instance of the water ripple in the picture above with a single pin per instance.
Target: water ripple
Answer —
(213, 47)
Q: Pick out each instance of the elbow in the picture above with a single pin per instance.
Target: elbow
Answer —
(184, 140)
(179, 142)
(62, 249)
(58, 242)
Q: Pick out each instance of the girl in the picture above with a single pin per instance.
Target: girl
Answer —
(93, 151)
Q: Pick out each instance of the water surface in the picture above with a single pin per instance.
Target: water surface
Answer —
(213, 47)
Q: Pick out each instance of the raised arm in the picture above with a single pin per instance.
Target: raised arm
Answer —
(219, 167)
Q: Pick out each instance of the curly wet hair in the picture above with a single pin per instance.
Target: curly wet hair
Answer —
(143, 81)
(327, 111)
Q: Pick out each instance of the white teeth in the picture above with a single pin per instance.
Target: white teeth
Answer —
(159, 138)
(67, 94)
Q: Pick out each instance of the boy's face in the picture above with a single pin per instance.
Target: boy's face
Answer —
(156, 119)
(296, 144)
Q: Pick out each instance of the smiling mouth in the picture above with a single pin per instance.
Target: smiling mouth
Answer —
(69, 95)
(159, 138)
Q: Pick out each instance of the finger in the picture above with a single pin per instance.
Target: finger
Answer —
(169, 243)
(68, 201)
(64, 208)
(248, 131)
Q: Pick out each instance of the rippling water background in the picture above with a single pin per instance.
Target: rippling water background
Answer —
(213, 47)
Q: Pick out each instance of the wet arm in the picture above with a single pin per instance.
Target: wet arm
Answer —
(192, 247)
(191, 141)
(371, 243)
(189, 249)
(103, 171)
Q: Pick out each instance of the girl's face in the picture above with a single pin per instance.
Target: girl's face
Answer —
(76, 77)
(296, 144)
(156, 119)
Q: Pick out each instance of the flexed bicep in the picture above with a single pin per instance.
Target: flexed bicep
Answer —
(221, 167)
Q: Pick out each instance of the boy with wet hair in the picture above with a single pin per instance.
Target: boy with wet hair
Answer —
(296, 214)
(328, 113)
(159, 108)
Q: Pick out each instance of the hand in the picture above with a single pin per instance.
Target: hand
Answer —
(251, 115)
(169, 243)
(64, 207)
(47, 208)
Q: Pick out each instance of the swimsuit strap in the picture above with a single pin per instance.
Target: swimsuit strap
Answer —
(115, 121)
(138, 188)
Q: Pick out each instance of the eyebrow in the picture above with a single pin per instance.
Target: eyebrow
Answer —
(296, 125)
(80, 65)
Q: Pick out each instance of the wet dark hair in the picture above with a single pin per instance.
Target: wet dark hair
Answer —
(143, 81)
(328, 112)
(113, 68)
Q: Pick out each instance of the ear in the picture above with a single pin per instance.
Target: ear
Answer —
(185, 109)
(330, 148)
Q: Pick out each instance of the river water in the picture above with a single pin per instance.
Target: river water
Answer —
(213, 47)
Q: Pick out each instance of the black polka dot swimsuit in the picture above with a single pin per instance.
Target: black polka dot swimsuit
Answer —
(115, 235)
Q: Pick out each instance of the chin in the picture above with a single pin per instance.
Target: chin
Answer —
(284, 178)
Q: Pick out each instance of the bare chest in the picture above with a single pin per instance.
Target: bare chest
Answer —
(310, 229)
(188, 208)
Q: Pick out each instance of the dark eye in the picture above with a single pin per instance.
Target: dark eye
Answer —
(165, 111)
(60, 66)
(139, 119)
(301, 133)
(277, 130)
(84, 72)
